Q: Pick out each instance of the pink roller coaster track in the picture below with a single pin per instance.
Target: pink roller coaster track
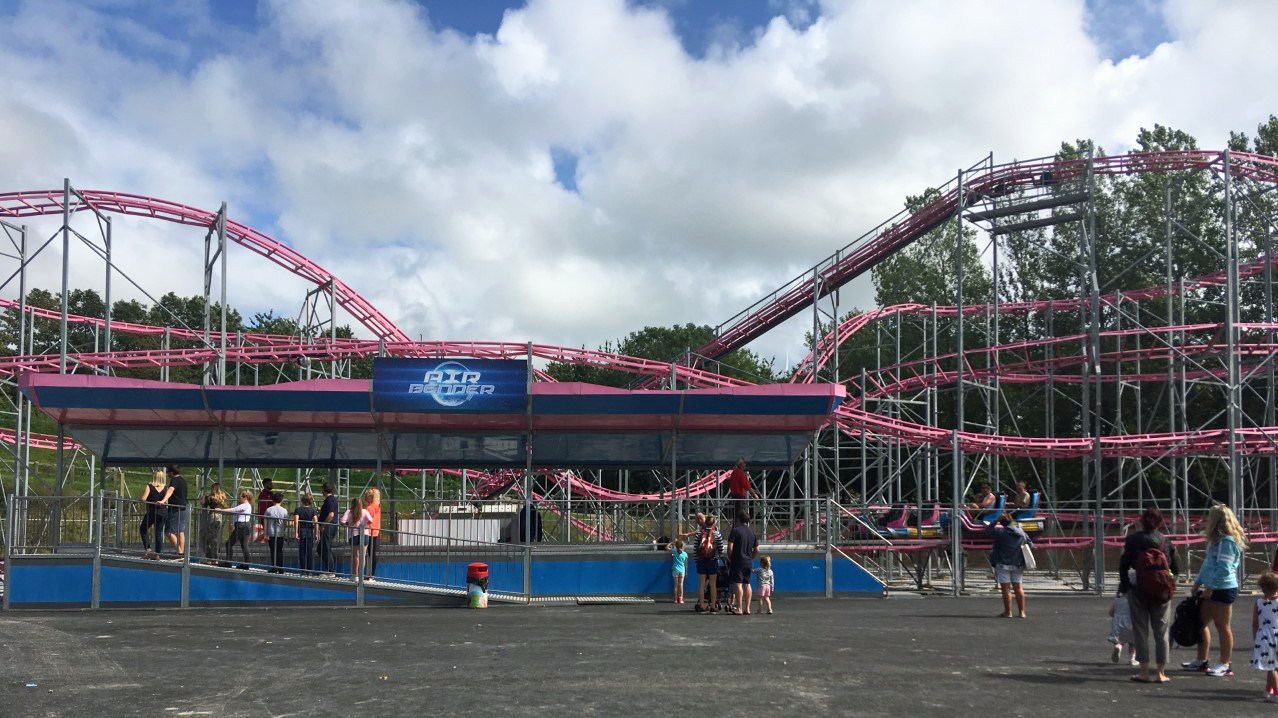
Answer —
(16, 205)
(755, 321)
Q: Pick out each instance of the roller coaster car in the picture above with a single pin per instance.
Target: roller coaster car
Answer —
(975, 525)
(903, 527)
(1028, 518)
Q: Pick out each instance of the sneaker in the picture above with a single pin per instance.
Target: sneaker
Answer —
(1194, 665)
(1133, 661)
(769, 611)
(1221, 670)
(1271, 697)
(1116, 654)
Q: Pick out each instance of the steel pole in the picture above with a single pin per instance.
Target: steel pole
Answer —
(106, 330)
(221, 250)
(958, 473)
(1095, 367)
(1231, 341)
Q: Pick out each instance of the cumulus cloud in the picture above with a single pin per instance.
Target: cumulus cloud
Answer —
(416, 162)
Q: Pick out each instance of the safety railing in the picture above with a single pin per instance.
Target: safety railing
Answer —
(50, 524)
(579, 522)
(209, 537)
(907, 545)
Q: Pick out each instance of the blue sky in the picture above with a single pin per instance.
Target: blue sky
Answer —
(1121, 28)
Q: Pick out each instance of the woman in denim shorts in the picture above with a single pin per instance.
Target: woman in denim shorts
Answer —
(1218, 578)
(1008, 562)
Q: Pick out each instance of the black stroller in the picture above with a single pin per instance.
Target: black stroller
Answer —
(719, 601)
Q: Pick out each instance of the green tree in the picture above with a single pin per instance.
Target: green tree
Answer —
(661, 344)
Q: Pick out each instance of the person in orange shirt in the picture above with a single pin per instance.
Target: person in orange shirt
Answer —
(373, 504)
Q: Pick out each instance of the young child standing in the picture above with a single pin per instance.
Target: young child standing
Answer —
(764, 574)
(357, 521)
(679, 568)
(1120, 630)
(1264, 624)
(276, 525)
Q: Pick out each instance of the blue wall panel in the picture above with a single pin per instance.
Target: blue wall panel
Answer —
(36, 583)
(216, 588)
(604, 576)
(851, 578)
(120, 584)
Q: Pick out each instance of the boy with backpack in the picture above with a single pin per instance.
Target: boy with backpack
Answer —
(1147, 576)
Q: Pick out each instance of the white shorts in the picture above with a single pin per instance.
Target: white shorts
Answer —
(1008, 574)
(676, 575)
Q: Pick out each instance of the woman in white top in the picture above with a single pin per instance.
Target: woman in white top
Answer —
(357, 521)
(242, 527)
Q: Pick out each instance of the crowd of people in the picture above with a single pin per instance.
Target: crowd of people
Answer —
(731, 560)
(1142, 610)
(223, 526)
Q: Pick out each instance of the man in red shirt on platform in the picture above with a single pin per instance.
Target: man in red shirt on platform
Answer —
(263, 503)
(739, 482)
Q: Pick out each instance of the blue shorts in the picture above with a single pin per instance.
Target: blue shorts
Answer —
(1224, 596)
(708, 566)
(175, 521)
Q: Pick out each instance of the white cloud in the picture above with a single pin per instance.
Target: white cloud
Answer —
(416, 165)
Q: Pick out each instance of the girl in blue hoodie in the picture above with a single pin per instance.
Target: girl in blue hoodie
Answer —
(1218, 578)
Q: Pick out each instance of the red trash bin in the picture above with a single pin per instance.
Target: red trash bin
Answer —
(477, 584)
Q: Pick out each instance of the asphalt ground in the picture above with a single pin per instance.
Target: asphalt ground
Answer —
(902, 656)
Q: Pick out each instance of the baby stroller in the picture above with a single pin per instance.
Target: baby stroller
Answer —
(720, 600)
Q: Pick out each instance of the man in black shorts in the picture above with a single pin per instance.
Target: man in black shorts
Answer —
(743, 545)
(175, 498)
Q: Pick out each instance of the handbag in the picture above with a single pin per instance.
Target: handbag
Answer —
(1028, 555)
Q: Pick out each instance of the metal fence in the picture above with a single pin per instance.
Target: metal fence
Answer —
(909, 547)
(129, 528)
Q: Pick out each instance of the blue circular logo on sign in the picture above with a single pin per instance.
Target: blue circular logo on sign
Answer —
(452, 384)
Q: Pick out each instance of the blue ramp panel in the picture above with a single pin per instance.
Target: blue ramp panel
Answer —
(50, 583)
(125, 584)
(224, 590)
(638, 573)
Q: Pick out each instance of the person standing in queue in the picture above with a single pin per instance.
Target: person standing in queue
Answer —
(263, 503)
(211, 521)
(328, 531)
(357, 521)
(175, 501)
(304, 531)
(373, 505)
(153, 521)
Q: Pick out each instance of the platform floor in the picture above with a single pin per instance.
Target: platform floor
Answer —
(902, 656)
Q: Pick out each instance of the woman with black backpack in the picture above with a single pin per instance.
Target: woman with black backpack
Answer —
(1146, 574)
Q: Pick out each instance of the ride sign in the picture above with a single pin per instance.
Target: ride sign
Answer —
(431, 385)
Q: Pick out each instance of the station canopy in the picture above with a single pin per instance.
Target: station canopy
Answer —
(433, 413)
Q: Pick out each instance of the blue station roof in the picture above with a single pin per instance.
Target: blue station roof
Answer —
(337, 423)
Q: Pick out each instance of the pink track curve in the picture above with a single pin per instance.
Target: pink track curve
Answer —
(16, 205)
